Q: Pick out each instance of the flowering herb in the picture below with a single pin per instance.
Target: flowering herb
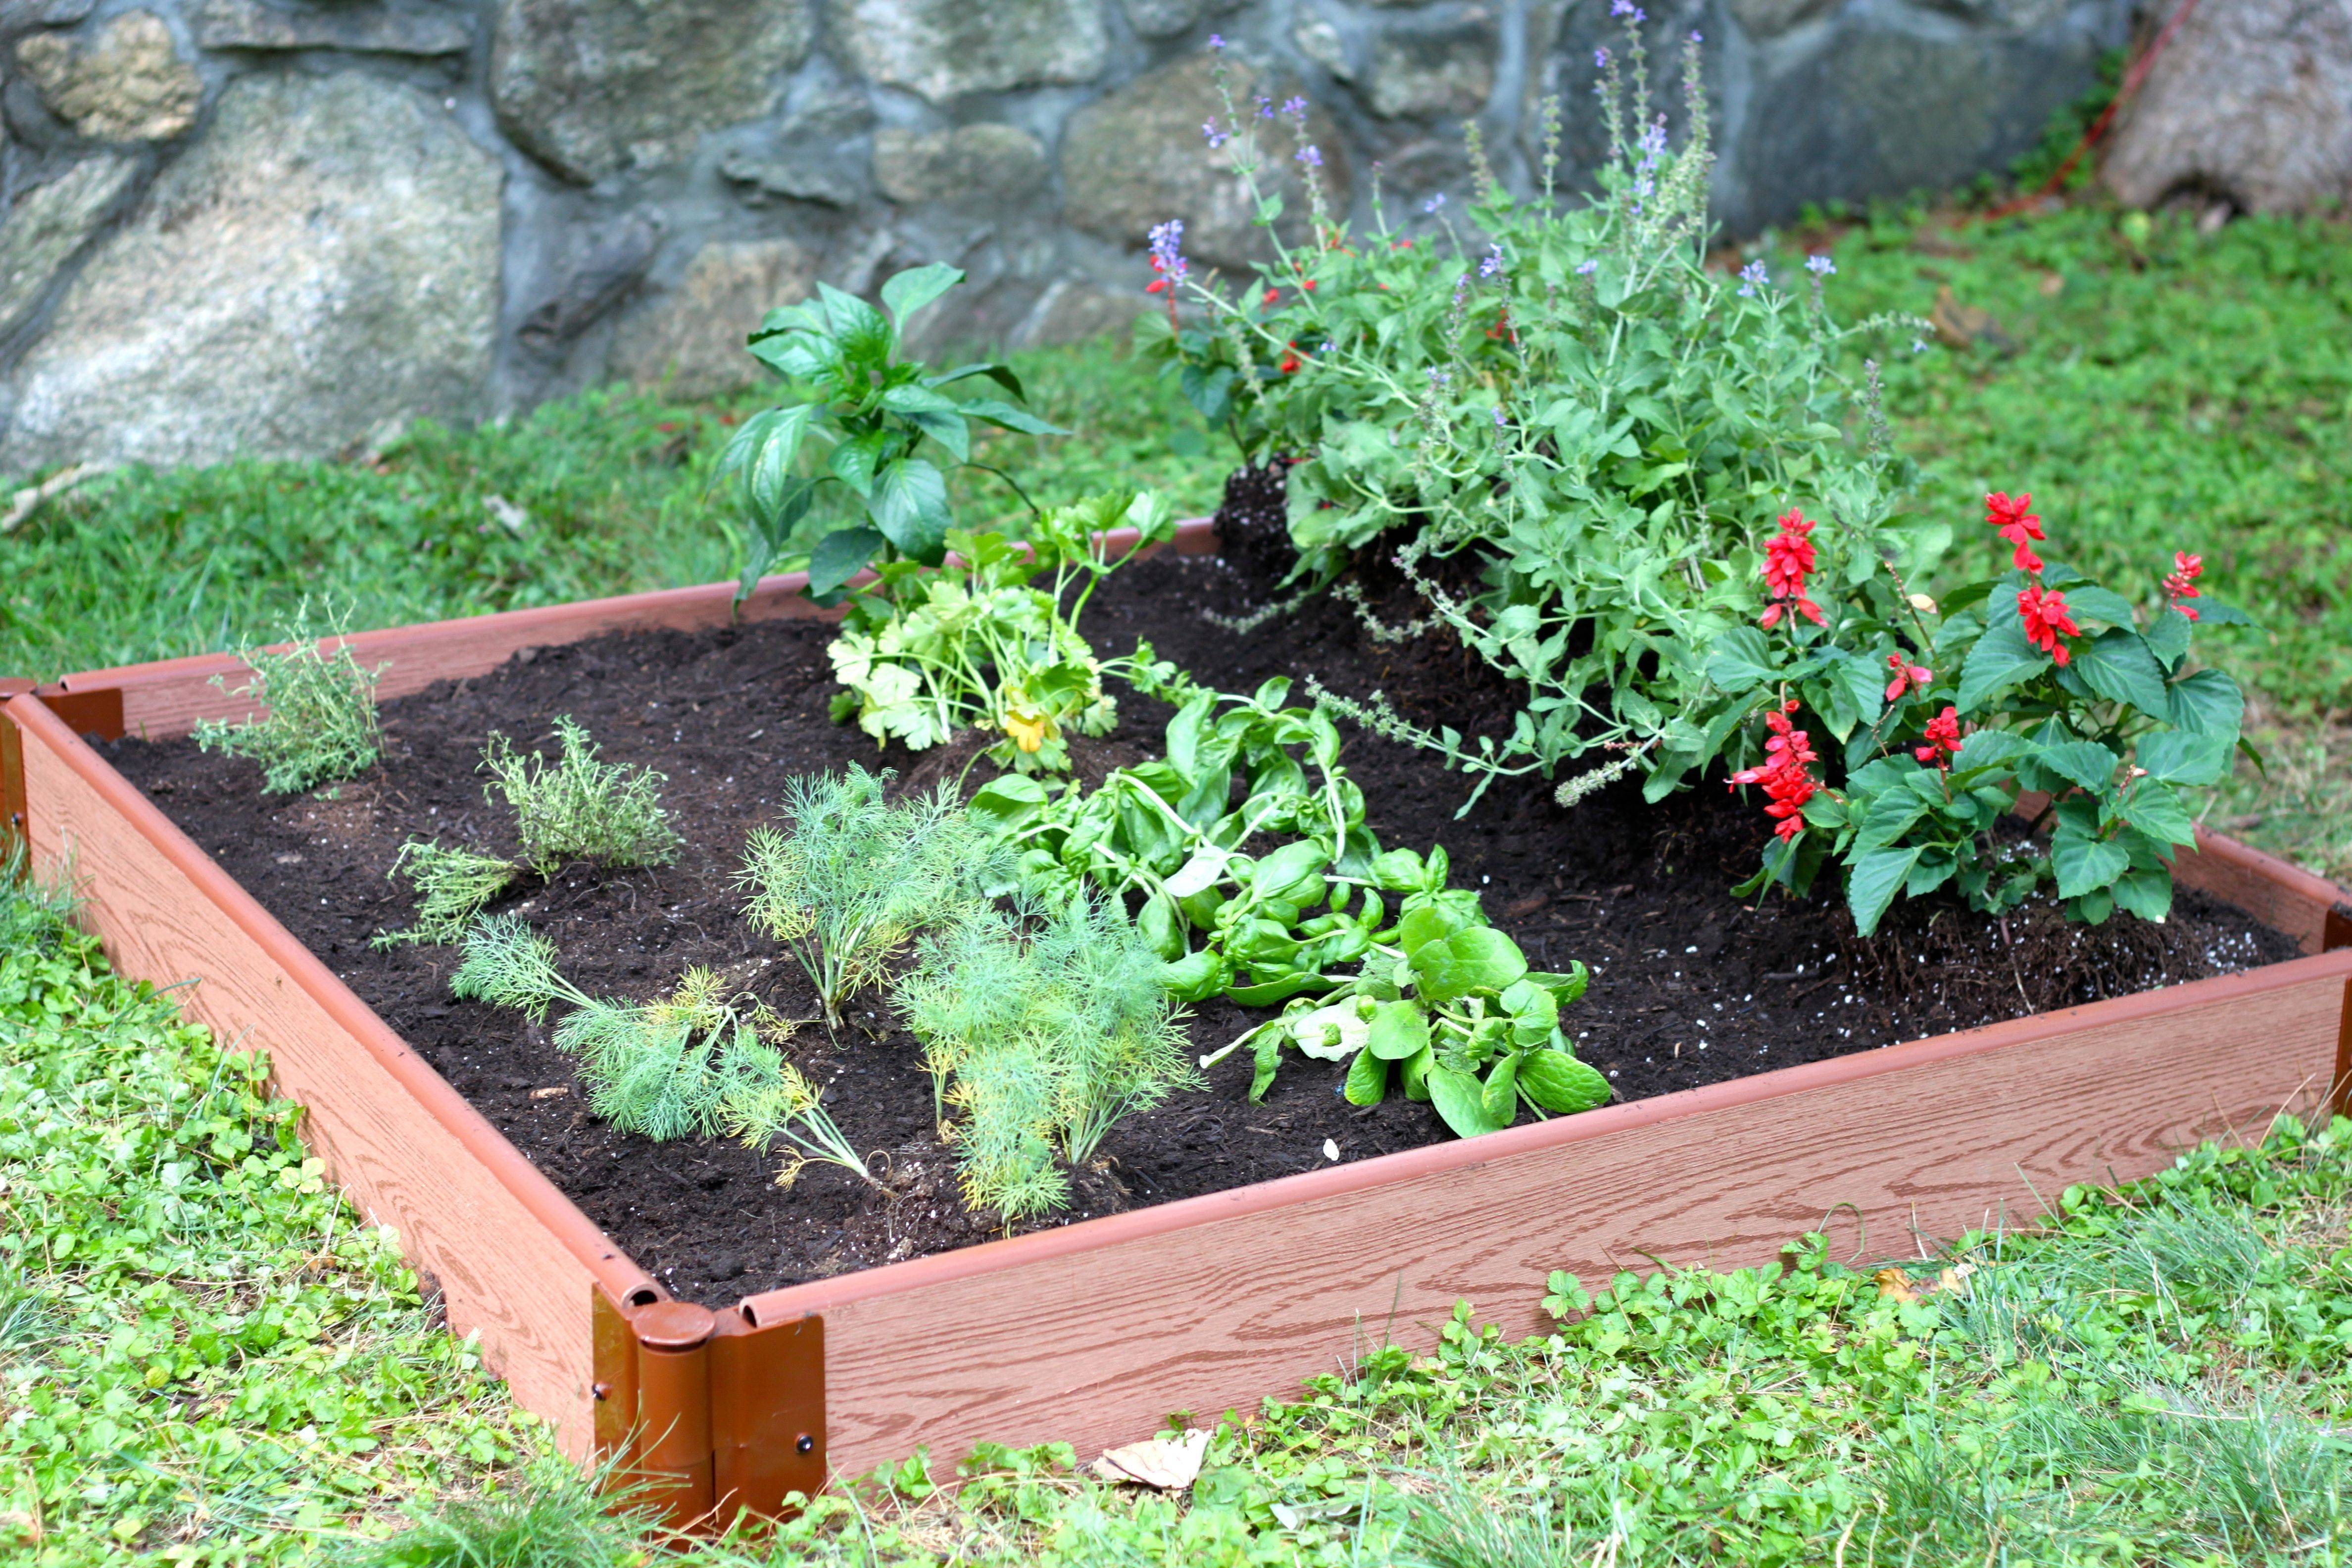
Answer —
(1752, 277)
(2180, 582)
(1789, 560)
(1999, 692)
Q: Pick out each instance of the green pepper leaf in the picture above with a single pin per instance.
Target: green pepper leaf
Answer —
(910, 505)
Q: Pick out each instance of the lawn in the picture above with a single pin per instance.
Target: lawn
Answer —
(203, 1356)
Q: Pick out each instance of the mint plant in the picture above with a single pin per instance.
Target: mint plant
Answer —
(1450, 1004)
(696, 1063)
(321, 726)
(856, 876)
(975, 642)
(864, 426)
(1041, 1029)
(1246, 877)
(1946, 716)
(1567, 410)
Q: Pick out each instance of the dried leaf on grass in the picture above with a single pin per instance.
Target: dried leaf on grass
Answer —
(1169, 1462)
(1894, 1285)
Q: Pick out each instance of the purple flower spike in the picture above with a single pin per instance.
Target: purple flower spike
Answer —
(1694, 36)
(1500, 423)
(1216, 41)
(1752, 277)
(1494, 262)
(1622, 8)
(1312, 157)
(1601, 59)
(1166, 249)
(1264, 107)
(1820, 266)
(1586, 269)
(1434, 203)
(1295, 107)
(1216, 138)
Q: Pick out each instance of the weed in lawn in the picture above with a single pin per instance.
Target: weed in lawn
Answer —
(321, 724)
(453, 884)
(548, 1516)
(1042, 1030)
(857, 876)
(578, 808)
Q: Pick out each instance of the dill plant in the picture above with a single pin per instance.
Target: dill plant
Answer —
(1041, 1028)
(697, 1063)
(453, 884)
(857, 876)
(320, 723)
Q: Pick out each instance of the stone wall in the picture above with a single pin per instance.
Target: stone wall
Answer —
(287, 226)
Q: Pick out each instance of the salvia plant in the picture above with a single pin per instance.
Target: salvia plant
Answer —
(575, 808)
(1940, 719)
(1450, 1005)
(1041, 1028)
(989, 640)
(1279, 888)
(1571, 436)
(696, 1063)
(868, 425)
(857, 876)
(321, 724)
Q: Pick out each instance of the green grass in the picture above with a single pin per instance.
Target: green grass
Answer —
(205, 1358)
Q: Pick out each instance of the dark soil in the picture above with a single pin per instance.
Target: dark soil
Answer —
(1690, 986)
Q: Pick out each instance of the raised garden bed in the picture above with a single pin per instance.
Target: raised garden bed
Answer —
(1094, 1329)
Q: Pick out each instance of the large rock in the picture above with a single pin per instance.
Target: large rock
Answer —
(982, 164)
(2251, 103)
(1771, 18)
(46, 225)
(1433, 68)
(694, 335)
(592, 88)
(1166, 18)
(366, 30)
(1137, 158)
(1069, 311)
(323, 262)
(128, 84)
(947, 48)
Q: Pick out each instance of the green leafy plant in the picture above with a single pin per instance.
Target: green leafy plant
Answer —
(1451, 1002)
(2006, 693)
(1041, 1028)
(925, 651)
(697, 1063)
(577, 808)
(1567, 432)
(1246, 877)
(875, 412)
(857, 876)
(321, 726)
(574, 809)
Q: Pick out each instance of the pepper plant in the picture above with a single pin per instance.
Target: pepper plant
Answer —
(1450, 1004)
(1946, 716)
(870, 413)
(975, 642)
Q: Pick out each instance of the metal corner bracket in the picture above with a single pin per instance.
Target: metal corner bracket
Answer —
(709, 1415)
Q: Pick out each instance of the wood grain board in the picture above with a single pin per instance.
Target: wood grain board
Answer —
(1093, 1333)
(513, 1258)
(166, 698)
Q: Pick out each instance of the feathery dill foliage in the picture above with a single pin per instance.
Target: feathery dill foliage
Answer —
(320, 725)
(857, 876)
(696, 1063)
(452, 884)
(1041, 1028)
(578, 808)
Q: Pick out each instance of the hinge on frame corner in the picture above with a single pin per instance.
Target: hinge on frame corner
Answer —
(709, 1414)
(15, 837)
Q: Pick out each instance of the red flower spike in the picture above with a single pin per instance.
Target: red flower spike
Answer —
(1908, 676)
(1789, 559)
(1942, 738)
(1290, 361)
(1271, 295)
(2182, 584)
(2013, 519)
(2047, 619)
(1786, 775)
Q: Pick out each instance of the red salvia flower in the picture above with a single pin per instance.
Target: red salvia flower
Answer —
(1942, 738)
(1271, 295)
(1158, 285)
(2183, 582)
(1786, 775)
(1908, 676)
(1789, 559)
(1291, 361)
(2046, 619)
(2013, 519)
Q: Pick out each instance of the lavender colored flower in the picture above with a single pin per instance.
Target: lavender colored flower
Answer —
(1166, 249)
(1500, 423)
(1917, 347)
(1694, 36)
(1216, 41)
(1216, 138)
(1311, 156)
(1494, 262)
(1440, 377)
(1586, 269)
(1752, 277)
(1264, 107)
(1601, 59)
(1295, 107)
(1820, 266)
(1461, 286)
(1434, 203)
